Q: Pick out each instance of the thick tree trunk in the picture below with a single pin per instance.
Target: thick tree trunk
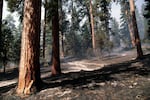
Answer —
(92, 26)
(29, 68)
(135, 29)
(55, 45)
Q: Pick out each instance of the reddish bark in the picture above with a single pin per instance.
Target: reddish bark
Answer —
(29, 68)
(92, 26)
(55, 45)
(135, 29)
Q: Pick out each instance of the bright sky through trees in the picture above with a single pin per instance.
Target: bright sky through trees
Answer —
(115, 10)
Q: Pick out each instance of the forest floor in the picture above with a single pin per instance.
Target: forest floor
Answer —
(118, 76)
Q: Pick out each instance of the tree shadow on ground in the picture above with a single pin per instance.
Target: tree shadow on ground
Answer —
(9, 75)
(75, 79)
(5, 89)
(81, 78)
(109, 57)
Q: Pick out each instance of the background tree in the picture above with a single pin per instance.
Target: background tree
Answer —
(140, 23)
(115, 36)
(135, 29)
(61, 16)
(102, 24)
(147, 16)
(92, 25)
(55, 36)
(126, 25)
(16, 6)
(16, 32)
(73, 40)
(44, 28)
(1, 13)
(29, 68)
(7, 41)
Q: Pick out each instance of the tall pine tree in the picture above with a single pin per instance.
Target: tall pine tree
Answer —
(29, 69)
(135, 29)
(56, 70)
(147, 16)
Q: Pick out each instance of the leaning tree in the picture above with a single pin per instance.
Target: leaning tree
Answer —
(135, 29)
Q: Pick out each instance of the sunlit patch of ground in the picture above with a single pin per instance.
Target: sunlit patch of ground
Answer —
(95, 79)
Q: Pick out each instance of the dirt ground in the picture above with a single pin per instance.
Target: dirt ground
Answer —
(115, 77)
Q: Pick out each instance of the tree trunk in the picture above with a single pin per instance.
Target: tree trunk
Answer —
(62, 45)
(61, 31)
(135, 29)
(130, 26)
(44, 29)
(92, 26)
(131, 33)
(29, 68)
(55, 36)
(4, 61)
(1, 13)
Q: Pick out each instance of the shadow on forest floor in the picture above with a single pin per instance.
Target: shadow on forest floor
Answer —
(107, 73)
(9, 75)
(75, 79)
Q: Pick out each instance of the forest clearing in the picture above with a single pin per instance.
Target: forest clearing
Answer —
(74, 49)
(116, 77)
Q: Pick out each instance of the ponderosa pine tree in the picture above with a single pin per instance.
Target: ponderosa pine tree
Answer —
(1, 13)
(129, 21)
(44, 28)
(92, 26)
(147, 16)
(56, 70)
(60, 27)
(29, 69)
(135, 29)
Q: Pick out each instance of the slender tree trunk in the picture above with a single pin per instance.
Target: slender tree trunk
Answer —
(1, 13)
(61, 31)
(62, 45)
(55, 45)
(44, 29)
(135, 29)
(4, 61)
(4, 67)
(29, 68)
(92, 26)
